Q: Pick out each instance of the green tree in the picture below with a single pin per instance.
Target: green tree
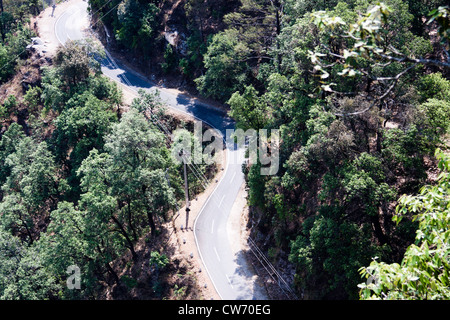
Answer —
(78, 130)
(249, 110)
(31, 188)
(423, 271)
(126, 185)
(23, 275)
(13, 49)
(73, 63)
(159, 261)
(2, 31)
(54, 93)
(101, 205)
(367, 53)
(226, 70)
(33, 98)
(10, 103)
(136, 24)
(437, 115)
(328, 253)
(434, 86)
(6, 63)
(140, 158)
(80, 237)
(258, 23)
(8, 144)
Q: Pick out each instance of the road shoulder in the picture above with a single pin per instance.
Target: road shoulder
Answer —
(184, 237)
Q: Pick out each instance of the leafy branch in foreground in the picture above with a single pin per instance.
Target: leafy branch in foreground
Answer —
(366, 52)
(424, 270)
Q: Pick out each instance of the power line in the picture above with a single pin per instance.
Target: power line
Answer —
(273, 273)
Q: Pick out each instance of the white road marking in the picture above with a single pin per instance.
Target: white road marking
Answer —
(220, 203)
(56, 33)
(232, 178)
(216, 254)
(212, 227)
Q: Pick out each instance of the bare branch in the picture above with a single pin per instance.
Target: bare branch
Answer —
(391, 87)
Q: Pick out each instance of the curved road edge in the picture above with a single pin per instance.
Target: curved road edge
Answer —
(223, 269)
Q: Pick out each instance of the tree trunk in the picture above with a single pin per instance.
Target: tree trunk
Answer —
(24, 223)
(125, 234)
(113, 273)
(28, 232)
(277, 40)
(130, 222)
(1, 21)
(378, 230)
(108, 267)
(151, 222)
(379, 136)
(119, 114)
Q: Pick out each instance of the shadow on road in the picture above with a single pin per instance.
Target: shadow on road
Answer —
(212, 116)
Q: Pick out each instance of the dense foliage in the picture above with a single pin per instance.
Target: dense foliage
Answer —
(15, 34)
(423, 272)
(361, 101)
(360, 91)
(85, 194)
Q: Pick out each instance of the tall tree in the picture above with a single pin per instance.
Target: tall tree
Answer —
(23, 274)
(81, 237)
(32, 188)
(140, 158)
(73, 63)
(8, 144)
(126, 184)
(423, 271)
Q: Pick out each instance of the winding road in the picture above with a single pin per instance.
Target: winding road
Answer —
(210, 232)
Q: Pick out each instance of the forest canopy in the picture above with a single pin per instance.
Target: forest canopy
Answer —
(359, 90)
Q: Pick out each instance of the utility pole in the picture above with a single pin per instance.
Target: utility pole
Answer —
(186, 188)
(53, 7)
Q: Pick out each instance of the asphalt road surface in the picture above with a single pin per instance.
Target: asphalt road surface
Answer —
(210, 231)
